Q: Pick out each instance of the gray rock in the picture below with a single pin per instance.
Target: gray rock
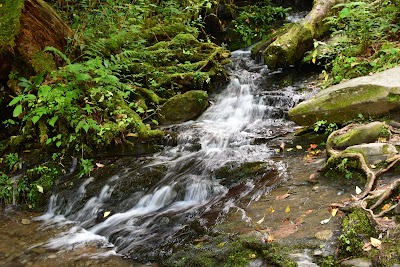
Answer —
(374, 153)
(357, 263)
(374, 95)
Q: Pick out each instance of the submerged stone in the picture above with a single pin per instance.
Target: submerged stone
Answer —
(376, 95)
(183, 107)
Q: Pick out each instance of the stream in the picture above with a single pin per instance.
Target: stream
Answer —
(147, 205)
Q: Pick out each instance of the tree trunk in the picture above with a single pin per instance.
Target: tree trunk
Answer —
(40, 26)
(289, 45)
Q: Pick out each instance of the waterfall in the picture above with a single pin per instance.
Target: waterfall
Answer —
(234, 130)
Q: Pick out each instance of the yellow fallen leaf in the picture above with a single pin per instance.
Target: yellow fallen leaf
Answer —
(221, 245)
(252, 256)
(358, 190)
(287, 210)
(132, 134)
(372, 166)
(269, 239)
(299, 147)
(39, 188)
(277, 150)
(271, 210)
(106, 214)
(385, 207)
(376, 242)
(333, 212)
(289, 149)
(314, 60)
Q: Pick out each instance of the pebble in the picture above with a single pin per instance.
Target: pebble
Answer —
(323, 235)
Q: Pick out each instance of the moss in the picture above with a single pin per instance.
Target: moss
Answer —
(42, 61)
(10, 13)
(356, 230)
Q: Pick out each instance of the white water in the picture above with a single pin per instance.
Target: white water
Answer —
(224, 134)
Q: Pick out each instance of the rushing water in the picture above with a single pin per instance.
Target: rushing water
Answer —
(186, 193)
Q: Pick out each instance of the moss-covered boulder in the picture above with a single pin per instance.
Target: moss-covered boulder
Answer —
(367, 133)
(183, 107)
(374, 153)
(372, 96)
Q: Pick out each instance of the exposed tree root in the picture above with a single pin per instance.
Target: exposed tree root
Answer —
(369, 199)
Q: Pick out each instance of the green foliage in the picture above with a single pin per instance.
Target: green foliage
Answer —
(256, 21)
(364, 40)
(322, 126)
(86, 167)
(356, 228)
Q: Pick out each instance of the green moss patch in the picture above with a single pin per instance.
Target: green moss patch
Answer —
(10, 13)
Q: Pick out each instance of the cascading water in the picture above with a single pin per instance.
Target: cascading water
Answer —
(144, 221)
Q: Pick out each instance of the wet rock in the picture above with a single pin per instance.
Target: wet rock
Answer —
(183, 107)
(303, 260)
(376, 95)
(374, 153)
(357, 263)
(324, 235)
(368, 133)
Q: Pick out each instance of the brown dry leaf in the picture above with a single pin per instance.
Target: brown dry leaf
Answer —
(99, 165)
(313, 146)
(313, 176)
(282, 196)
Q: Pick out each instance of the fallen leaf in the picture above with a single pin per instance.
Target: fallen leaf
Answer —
(372, 166)
(358, 190)
(99, 165)
(367, 246)
(106, 213)
(271, 210)
(132, 134)
(289, 149)
(269, 239)
(325, 221)
(385, 207)
(282, 196)
(299, 147)
(252, 256)
(221, 245)
(287, 210)
(39, 188)
(308, 212)
(376, 242)
(261, 220)
(313, 176)
(313, 146)
(282, 145)
(277, 150)
(333, 212)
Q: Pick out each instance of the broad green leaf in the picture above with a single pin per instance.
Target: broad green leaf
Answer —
(15, 100)
(35, 119)
(17, 111)
(86, 127)
(83, 77)
(58, 144)
(53, 120)
(344, 12)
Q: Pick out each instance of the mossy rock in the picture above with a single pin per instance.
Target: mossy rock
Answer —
(374, 153)
(183, 107)
(368, 133)
(372, 96)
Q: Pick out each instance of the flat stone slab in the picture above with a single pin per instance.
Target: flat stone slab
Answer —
(372, 96)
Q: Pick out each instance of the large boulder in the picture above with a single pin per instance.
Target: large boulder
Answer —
(183, 107)
(372, 96)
